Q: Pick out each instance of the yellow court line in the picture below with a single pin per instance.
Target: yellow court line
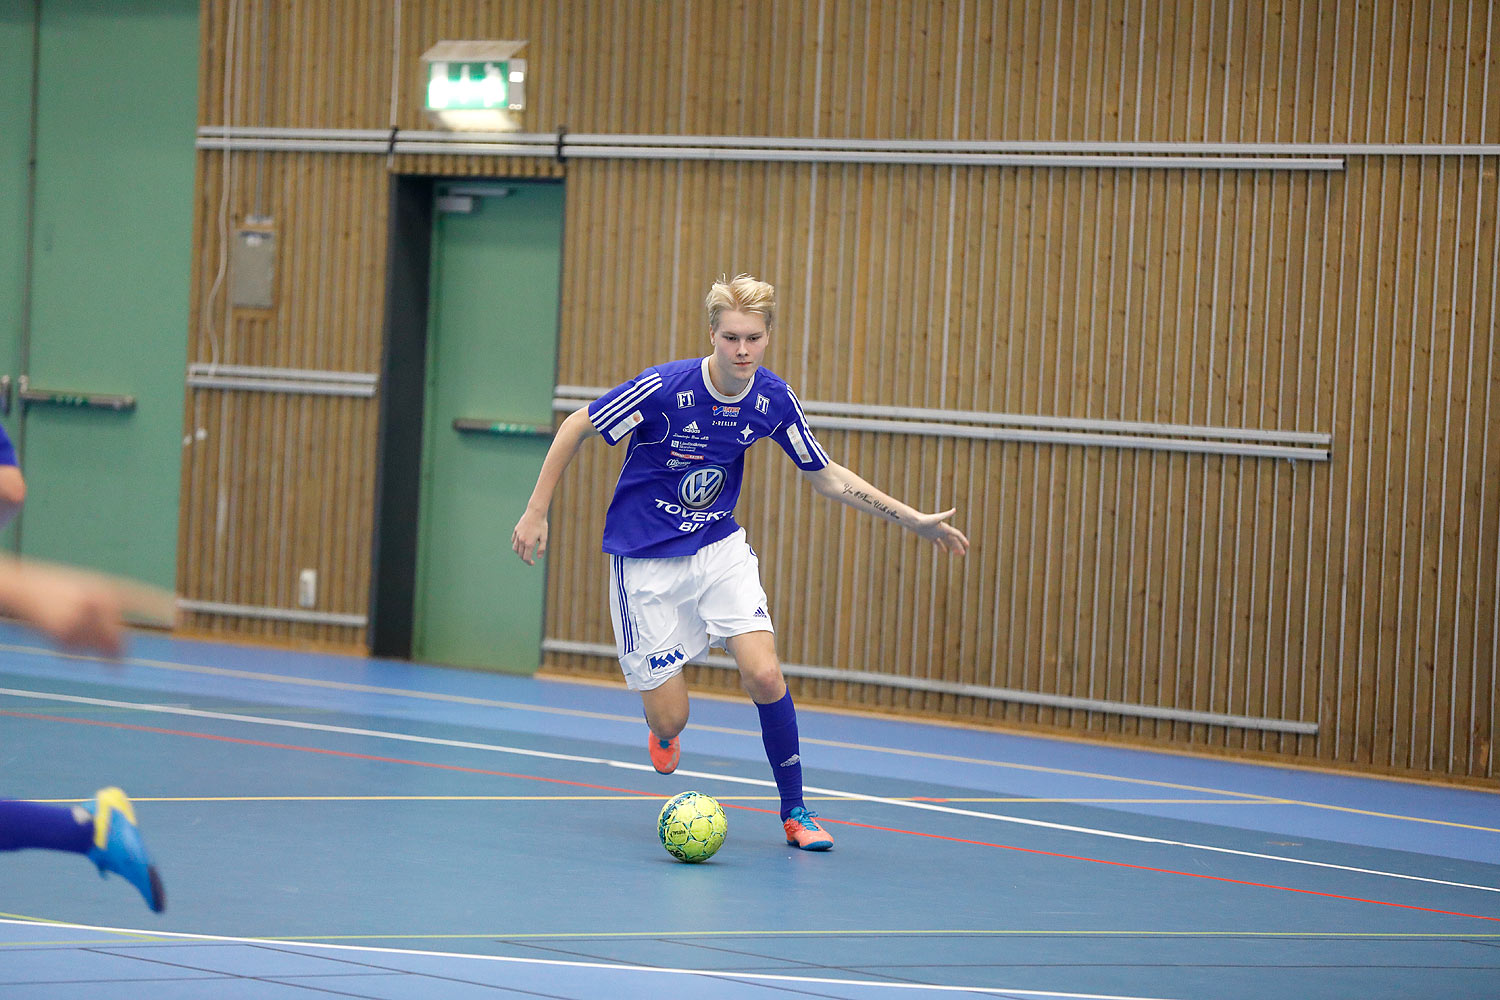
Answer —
(580, 713)
(82, 943)
(35, 920)
(46, 922)
(636, 798)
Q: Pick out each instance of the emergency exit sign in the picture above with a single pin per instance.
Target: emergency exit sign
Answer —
(476, 86)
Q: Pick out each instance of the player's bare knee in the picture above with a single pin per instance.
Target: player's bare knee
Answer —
(763, 681)
(667, 724)
(666, 708)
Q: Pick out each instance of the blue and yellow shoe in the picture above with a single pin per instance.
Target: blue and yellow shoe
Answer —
(118, 847)
(803, 831)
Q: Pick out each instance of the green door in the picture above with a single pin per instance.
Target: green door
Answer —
(491, 369)
(104, 276)
(17, 38)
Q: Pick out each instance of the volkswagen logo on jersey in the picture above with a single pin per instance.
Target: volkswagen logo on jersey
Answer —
(701, 487)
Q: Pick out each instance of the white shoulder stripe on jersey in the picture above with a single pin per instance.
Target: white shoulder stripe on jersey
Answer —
(626, 401)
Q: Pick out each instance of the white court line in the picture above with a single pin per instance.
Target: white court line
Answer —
(437, 696)
(715, 776)
(274, 944)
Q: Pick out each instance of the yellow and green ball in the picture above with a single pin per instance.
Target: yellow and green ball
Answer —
(692, 826)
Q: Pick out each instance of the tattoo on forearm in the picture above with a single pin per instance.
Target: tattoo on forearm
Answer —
(864, 497)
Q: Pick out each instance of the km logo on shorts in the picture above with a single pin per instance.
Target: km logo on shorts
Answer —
(666, 658)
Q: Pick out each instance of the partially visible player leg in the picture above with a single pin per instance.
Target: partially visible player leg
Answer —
(760, 672)
(52, 828)
(666, 707)
(104, 831)
(655, 634)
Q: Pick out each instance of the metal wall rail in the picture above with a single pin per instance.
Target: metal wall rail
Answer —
(587, 394)
(1146, 148)
(551, 140)
(1093, 161)
(1104, 437)
(979, 691)
(273, 614)
(742, 149)
(256, 378)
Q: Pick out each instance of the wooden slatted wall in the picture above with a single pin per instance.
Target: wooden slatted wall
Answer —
(1359, 594)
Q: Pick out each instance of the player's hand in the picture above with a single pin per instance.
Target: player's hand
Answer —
(529, 539)
(936, 529)
(79, 611)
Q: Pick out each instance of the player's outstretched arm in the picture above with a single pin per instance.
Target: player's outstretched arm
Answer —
(838, 483)
(77, 610)
(529, 538)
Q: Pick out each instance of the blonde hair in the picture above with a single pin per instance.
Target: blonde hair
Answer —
(745, 294)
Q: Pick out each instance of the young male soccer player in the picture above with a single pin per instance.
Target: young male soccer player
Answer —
(79, 611)
(681, 572)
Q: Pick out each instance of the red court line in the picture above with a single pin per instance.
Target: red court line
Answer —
(329, 753)
(634, 791)
(1149, 868)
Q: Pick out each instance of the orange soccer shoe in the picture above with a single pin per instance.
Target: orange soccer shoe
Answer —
(803, 831)
(664, 753)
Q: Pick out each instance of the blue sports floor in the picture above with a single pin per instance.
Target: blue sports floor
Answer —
(336, 827)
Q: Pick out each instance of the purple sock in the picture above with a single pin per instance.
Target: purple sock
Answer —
(32, 824)
(778, 731)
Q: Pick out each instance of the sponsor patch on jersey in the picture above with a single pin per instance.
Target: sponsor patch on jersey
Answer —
(701, 487)
(747, 434)
(691, 458)
(762, 404)
(624, 425)
(692, 428)
(726, 411)
(684, 400)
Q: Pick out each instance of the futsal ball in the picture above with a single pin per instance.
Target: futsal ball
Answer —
(692, 826)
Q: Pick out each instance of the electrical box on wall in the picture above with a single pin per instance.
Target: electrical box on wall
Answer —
(252, 268)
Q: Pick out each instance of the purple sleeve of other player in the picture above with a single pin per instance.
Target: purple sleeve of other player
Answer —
(7, 450)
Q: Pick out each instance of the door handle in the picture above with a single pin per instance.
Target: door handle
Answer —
(500, 428)
(80, 400)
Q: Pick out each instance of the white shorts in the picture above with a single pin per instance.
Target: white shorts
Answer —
(669, 611)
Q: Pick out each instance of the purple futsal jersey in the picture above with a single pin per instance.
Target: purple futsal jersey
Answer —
(682, 473)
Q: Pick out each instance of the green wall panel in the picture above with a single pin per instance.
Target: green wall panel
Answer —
(17, 36)
(16, 28)
(117, 113)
